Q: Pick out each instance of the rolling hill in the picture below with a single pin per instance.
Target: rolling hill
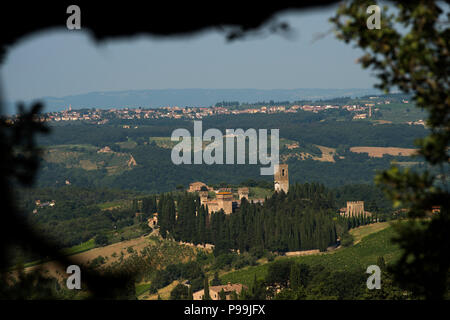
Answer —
(374, 243)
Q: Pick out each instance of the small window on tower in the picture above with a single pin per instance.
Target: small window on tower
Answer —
(282, 172)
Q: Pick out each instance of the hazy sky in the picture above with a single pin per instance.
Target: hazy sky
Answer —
(62, 62)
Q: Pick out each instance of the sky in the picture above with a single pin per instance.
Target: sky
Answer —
(63, 62)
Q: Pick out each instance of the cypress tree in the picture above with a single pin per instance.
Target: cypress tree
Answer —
(295, 276)
(222, 295)
(381, 263)
(190, 294)
(206, 295)
(135, 206)
(216, 281)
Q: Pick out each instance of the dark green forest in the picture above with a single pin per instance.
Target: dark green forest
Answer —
(311, 127)
(156, 173)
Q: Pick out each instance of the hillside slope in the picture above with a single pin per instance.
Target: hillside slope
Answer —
(362, 254)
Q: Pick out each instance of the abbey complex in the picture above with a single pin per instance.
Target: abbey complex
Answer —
(228, 200)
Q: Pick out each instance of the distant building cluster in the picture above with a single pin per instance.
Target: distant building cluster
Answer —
(417, 123)
(40, 204)
(43, 204)
(101, 116)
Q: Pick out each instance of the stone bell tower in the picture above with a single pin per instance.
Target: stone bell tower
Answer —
(281, 178)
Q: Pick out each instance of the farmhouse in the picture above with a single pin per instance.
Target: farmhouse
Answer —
(105, 149)
(215, 290)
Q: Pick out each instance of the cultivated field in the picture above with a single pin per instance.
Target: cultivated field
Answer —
(327, 154)
(111, 253)
(363, 231)
(401, 113)
(379, 152)
(164, 293)
(88, 158)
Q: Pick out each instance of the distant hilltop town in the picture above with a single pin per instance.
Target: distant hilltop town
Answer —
(102, 116)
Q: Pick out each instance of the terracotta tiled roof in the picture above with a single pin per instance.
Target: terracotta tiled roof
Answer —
(227, 288)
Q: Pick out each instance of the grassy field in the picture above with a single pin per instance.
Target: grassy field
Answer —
(163, 142)
(401, 113)
(126, 233)
(361, 255)
(130, 144)
(141, 288)
(164, 293)
(88, 158)
(114, 204)
(363, 231)
(85, 246)
(75, 147)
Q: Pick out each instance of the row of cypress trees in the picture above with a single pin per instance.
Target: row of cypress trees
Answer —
(303, 219)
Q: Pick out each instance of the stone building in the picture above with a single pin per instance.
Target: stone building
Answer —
(215, 290)
(281, 178)
(203, 197)
(153, 221)
(197, 186)
(354, 208)
(223, 200)
(105, 149)
(436, 209)
(243, 193)
(224, 197)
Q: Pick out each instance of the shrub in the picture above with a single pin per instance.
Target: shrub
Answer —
(270, 257)
(279, 272)
(101, 240)
(97, 262)
(257, 252)
(347, 239)
(180, 292)
(224, 261)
